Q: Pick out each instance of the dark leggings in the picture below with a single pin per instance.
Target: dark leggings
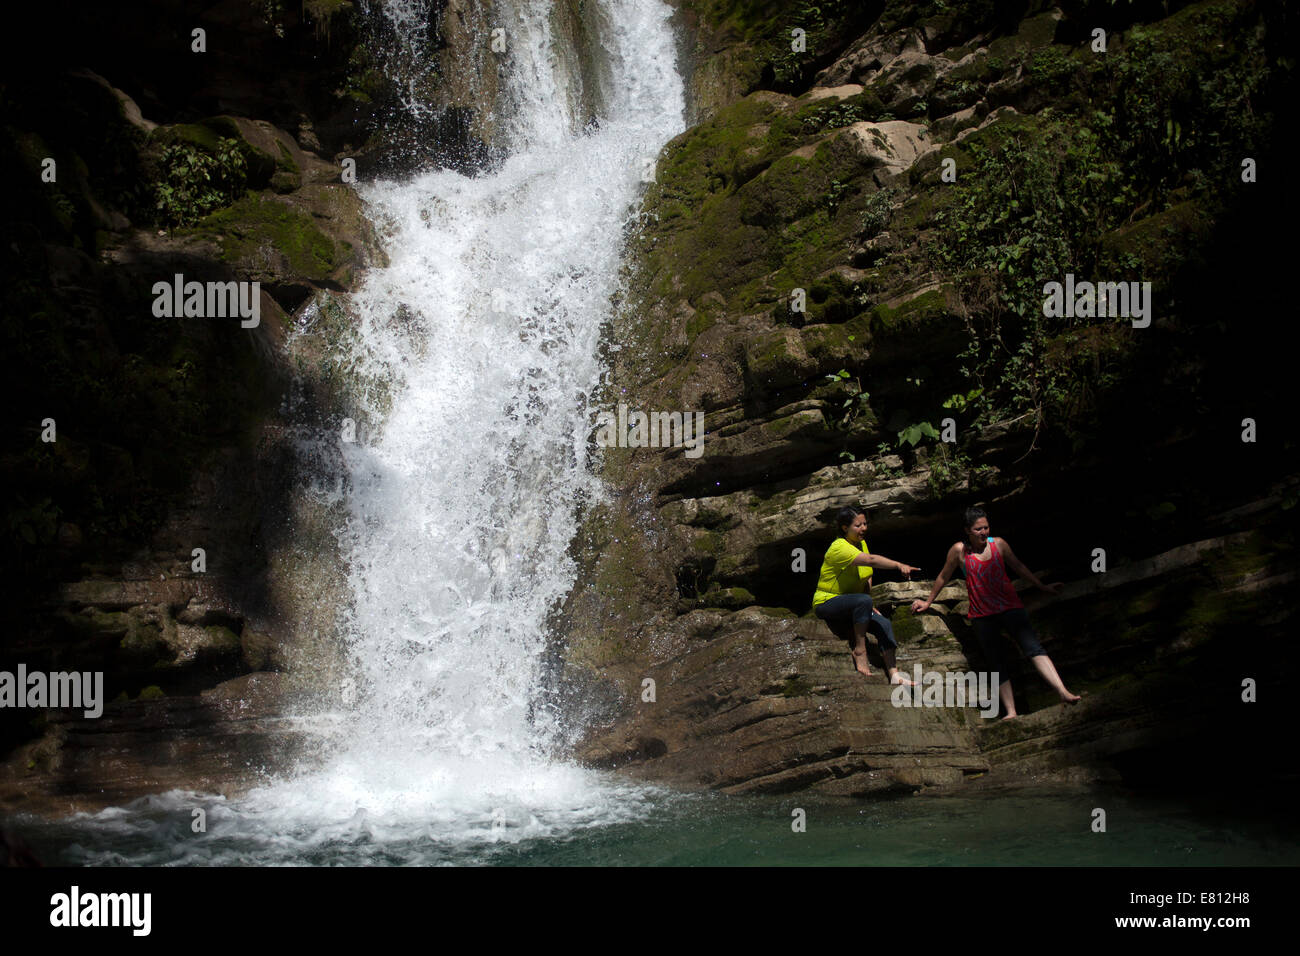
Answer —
(1016, 623)
(840, 612)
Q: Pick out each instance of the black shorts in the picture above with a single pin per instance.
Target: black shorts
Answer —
(988, 632)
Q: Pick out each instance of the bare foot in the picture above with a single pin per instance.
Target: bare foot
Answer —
(898, 678)
(861, 664)
(1068, 698)
(1010, 717)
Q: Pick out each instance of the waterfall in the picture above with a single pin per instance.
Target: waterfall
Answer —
(471, 466)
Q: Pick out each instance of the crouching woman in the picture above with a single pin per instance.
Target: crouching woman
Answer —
(843, 596)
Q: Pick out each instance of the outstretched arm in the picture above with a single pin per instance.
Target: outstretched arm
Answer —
(1016, 565)
(949, 568)
(880, 561)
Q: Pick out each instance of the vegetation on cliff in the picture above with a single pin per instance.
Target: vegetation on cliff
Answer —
(864, 234)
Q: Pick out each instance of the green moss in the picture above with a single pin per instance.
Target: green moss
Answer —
(763, 29)
(1158, 245)
(257, 224)
(796, 687)
(196, 134)
(144, 640)
(1242, 559)
(831, 345)
(732, 599)
(699, 323)
(917, 311)
(783, 426)
(712, 543)
(94, 621)
(767, 353)
(778, 503)
(152, 692)
(907, 626)
(1037, 31)
(222, 640)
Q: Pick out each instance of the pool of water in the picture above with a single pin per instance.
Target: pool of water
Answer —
(1038, 827)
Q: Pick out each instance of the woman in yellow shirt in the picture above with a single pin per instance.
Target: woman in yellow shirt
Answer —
(843, 595)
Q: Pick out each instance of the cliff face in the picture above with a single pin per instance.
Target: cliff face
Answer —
(845, 258)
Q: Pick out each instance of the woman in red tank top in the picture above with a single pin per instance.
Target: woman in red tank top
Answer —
(987, 584)
(994, 604)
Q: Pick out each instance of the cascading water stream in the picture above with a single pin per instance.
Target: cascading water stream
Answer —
(465, 496)
(470, 469)
(464, 502)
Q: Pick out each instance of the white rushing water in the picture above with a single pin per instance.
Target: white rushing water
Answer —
(465, 500)
(466, 484)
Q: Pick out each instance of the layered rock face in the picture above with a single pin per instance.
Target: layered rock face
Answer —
(843, 267)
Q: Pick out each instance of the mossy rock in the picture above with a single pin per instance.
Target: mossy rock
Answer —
(837, 345)
(258, 230)
(796, 687)
(907, 626)
(195, 134)
(92, 621)
(1155, 247)
(731, 599)
(152, 692)
(920, 311)
(220, 641)
(266, 166)
(144, 642)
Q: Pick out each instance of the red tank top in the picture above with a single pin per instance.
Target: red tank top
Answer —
(987, 585)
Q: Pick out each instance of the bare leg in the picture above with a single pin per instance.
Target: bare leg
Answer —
(1008, 699)
(860, 649)
(891, 667)
(1046, 668)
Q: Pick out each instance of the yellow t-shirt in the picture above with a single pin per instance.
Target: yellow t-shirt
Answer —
(839, 574)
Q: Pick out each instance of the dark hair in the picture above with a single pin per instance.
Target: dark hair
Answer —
(973, 515)
(844, 517)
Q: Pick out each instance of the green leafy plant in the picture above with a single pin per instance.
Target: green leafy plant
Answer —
(836, 195)
(837, 117)
(960, 402)
(912, 434)
(195, 182)
(949, 471)
(855, 402)
(876, 215)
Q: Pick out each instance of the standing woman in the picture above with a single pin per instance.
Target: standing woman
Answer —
(994, 604)
(843, 596)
